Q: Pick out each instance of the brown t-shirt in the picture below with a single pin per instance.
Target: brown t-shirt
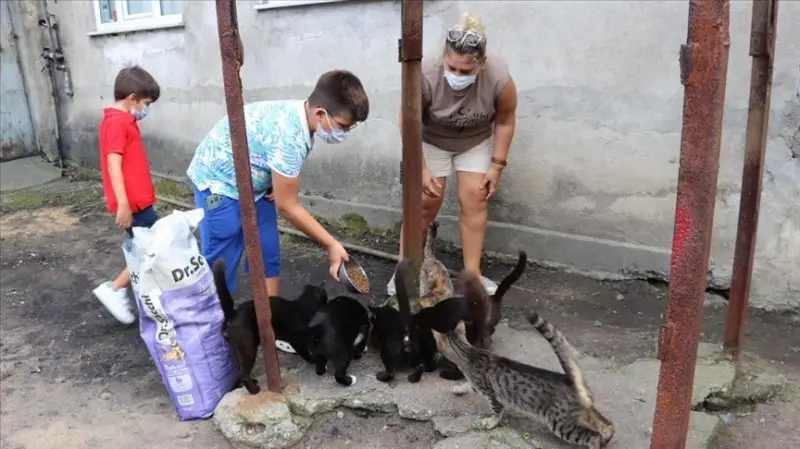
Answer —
(457, 121)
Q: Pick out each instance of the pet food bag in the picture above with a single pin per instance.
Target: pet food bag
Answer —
(180, 318)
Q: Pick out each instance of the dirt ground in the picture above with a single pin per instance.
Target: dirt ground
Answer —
(72, 377)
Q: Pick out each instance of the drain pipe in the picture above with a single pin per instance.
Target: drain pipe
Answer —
(54, 61)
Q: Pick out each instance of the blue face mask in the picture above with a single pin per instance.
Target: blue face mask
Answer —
(333, 136)
(139, 115)
(459, 82)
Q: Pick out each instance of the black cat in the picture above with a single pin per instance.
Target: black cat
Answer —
(406, 340)
(289, 323)
(338, 333)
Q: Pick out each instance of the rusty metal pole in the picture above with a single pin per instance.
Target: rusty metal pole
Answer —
(704, 67)
(763, 31)
(410, 47)
(230, 47)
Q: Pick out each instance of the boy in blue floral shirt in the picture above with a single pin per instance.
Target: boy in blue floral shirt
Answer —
(280, 135)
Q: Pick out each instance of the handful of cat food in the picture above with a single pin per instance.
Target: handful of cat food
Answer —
(353, 277)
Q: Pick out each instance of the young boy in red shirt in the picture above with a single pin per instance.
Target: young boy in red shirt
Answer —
(126, 173)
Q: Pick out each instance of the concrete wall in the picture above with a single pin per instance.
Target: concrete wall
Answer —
(593, 168)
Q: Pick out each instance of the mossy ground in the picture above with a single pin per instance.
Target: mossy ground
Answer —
(79, 187)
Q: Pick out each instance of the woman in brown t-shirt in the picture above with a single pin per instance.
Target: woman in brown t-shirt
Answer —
(469, 104)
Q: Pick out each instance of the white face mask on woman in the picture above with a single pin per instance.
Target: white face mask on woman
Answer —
(459, 82)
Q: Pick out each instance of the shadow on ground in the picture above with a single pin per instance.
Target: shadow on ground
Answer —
(71, 377)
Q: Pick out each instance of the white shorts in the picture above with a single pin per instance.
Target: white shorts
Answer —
(441, 163)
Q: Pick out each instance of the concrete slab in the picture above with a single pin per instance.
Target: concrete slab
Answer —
(27, 172)
(625, 393)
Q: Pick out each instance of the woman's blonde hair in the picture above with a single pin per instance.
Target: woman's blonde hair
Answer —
(469, 24)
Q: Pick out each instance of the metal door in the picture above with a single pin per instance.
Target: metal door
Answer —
(16, 128)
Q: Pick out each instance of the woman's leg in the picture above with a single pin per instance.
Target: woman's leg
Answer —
(473, 217)
(430, 209)
(440, 164)
(471, 167)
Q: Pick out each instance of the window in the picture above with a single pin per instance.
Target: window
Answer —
(119, 16)
(274, 4)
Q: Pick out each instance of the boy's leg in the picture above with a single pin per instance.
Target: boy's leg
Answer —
(221, 233)
(114, 294)
(270, 243)
(122, 281)
(267, 218)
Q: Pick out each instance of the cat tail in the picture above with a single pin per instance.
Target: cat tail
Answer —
(566, 357)
(497, 299)
(225, 298)
(429, 251)
(403, 301)
(477, 301)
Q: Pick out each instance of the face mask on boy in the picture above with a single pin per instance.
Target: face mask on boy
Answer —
(333, 136)
(139, 115)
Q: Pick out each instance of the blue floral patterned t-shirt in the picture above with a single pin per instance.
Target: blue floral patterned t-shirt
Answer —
(277, 136)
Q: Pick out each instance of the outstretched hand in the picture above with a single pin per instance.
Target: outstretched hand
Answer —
(336, 257)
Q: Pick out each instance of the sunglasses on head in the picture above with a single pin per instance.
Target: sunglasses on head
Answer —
(470, 38)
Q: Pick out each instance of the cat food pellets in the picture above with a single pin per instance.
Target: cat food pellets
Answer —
(359, 280)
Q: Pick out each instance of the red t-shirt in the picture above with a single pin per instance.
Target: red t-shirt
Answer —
(119, 134)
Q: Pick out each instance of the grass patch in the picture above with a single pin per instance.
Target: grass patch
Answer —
(79, 173)
(171, 189)
(23, 199)
(355, 223)
(59, 193)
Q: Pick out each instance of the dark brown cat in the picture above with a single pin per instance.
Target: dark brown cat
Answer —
(402, 326)
(562, 401)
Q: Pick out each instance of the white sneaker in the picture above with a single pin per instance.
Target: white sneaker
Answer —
(116, 301)
(285, 347)
(488, 284)
(390, 289)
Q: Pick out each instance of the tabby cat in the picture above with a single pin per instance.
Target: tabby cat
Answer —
(563, 402)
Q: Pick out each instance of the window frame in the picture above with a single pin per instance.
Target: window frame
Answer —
(278, 4)
(127, 22)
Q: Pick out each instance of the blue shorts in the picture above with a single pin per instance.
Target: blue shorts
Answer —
(221, 233)
(145, 218)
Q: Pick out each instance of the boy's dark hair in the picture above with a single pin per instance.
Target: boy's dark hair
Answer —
(135, 80)
(340, 93)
